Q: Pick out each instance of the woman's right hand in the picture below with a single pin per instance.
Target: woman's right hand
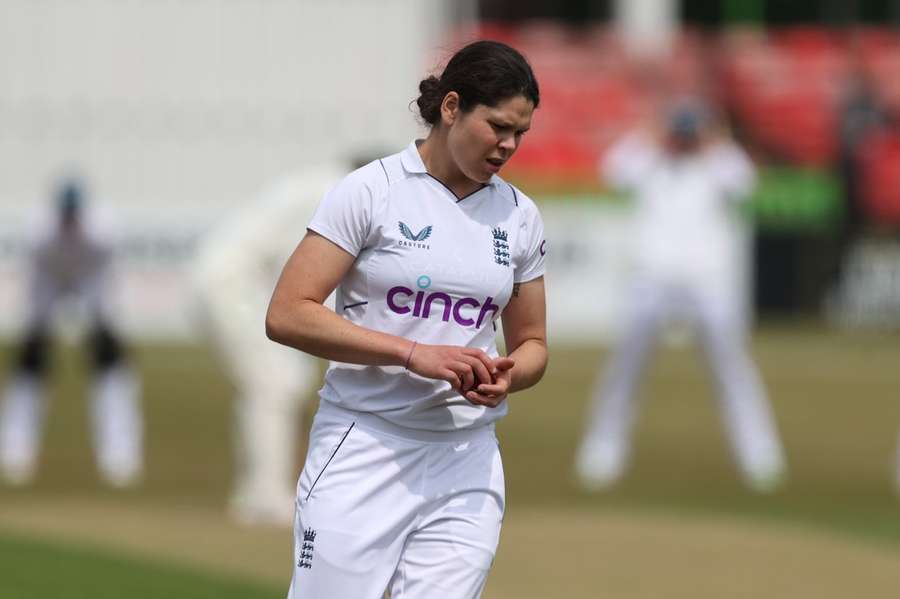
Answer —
(463, 367)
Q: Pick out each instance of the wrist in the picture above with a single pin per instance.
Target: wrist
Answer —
(409, 354)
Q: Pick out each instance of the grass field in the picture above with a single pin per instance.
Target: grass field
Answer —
(41, 569)
(680, 525)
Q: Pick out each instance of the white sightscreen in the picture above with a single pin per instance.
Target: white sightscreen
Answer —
(176, 111)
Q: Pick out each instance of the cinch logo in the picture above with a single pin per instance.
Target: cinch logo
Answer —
(400, 298)
(415, 239)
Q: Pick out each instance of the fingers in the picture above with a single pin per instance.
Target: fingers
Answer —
(499, 387)
(482, 372)
(480, 368)
(453, 378)
(501, 383)
(465, 369)
(466, 378)
(485, 360)
(492, 390)
(489, 401)
(504, 363)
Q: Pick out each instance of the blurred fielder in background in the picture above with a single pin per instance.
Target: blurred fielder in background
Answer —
(70, 269)
(685, 178)
(234, 275)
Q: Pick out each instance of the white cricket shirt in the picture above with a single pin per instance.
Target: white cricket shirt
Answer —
(430, 267)
(77, 263)
(685, 229)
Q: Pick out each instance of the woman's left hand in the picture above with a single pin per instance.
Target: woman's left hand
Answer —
(492, 394)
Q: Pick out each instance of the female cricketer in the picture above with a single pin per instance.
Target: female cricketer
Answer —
(403, 486)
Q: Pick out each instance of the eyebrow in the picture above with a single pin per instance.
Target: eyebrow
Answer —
(507, 125)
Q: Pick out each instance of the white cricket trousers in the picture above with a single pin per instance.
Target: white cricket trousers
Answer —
(746, 411)
(382, 507)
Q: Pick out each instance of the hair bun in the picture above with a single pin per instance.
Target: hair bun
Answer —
(429, 100)
(482, 73)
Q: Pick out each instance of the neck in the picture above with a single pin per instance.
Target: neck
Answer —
(440, 165)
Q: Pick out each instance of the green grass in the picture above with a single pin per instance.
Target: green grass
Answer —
(187, 405)
(39, 570)
(835, 396)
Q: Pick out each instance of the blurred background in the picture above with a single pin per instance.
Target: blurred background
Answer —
(177, 114)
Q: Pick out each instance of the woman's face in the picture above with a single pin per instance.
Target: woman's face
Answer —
(482, 140)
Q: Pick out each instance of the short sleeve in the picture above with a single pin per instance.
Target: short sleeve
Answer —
(532, 245)
(344, 215)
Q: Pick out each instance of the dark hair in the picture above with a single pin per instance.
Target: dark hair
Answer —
(484, 72)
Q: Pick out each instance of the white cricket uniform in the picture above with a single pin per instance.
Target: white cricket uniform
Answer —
(684, 245)
(403, 483)
(77, 266)
(233, 275)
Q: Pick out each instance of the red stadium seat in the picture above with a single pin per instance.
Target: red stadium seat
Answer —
(782, 86)
(784, 93)
(880, 169)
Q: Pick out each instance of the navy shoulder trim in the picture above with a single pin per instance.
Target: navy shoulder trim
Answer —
(515, 195)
